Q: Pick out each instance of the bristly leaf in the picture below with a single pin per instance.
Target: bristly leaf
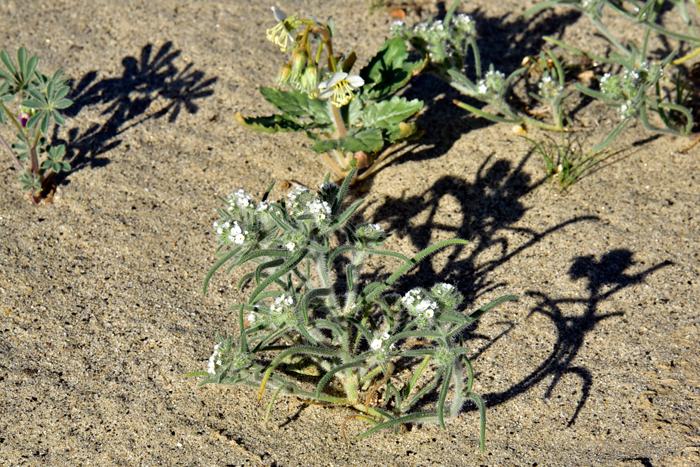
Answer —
(298, 104)
(369, 140)
(391, 112)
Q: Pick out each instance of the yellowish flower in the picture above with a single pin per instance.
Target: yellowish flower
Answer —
(281, 33)
(340, 88)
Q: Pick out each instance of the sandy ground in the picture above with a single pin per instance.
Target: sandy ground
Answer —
(101, 312)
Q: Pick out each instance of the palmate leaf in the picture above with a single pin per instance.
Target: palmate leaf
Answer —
(388, 71)
(390, 112)
(270, 124)
(369, 140)
(298, 104)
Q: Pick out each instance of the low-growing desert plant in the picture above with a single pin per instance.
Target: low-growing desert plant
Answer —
(36, 99)
(312, 312)
(353, 120)
(632, 81)
(565, 163)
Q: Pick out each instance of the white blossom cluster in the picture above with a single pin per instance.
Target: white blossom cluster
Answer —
(230, 232)
(549, 88)
(319, 208)
(281, 303)
(378, 342)
(240, 199)
(294, 194)
(214, 360)
(418, 304)
(490, 85)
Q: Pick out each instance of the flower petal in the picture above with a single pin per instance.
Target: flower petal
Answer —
(326, 93)
(338, 76)
(279, 14)
(355, 81)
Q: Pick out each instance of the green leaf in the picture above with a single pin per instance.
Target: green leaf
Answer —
(57, 117)
(31, 123)
(5, 57)
(45, 122)
(33, 104)
(22, 61)
(368, 140)
(390, 112)
(61, 93)
(297, 104)
(387, 71)
(62, 103)
(271, 124)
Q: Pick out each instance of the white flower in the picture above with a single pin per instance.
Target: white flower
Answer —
(263, 206)
(425, 305)
(376, 344)
(429, 313)
(319, 206)
(340, 87)
(482, 88)
(290, 246)
(211, 368)
(328, 186)
(280, 34)
(446, 287)
(252, 317)
(386, 336)
(239, 239)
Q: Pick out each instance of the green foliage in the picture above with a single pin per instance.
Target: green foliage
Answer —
(565, 163)
(39, 98)
(309, 313)
(343, 114)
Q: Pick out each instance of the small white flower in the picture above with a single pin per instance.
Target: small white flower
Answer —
(429, 313)
(376, 227)
(252, 317)
(340, 88)
(290, 246)
(376, 344)
(239, 239)
(482, 88)
(263, 206)
(386, 336)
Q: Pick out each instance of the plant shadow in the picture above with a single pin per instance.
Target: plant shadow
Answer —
(490, 206)
(128, 99)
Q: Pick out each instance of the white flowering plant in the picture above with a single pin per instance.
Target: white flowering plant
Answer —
(640, 88)
(312, 313)
(353, 120)
(446, 43)
(36, 99)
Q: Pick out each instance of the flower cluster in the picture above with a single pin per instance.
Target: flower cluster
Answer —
(319, 208)
(214, 360)
(549, 88)
(420, 305)
(282, 311)
(239, 199)
(490, 85)
(378, 342)
(281, 34)
(230, 232)
(439, 39)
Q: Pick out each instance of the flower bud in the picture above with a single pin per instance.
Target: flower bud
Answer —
(363, 159)
(283, 74)
(299, 59)
(310, 80)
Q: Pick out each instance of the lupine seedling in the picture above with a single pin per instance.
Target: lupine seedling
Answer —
(36, 100)
(310, 312)
(353, 120)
